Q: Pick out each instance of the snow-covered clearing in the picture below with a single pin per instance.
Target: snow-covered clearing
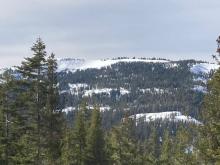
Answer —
(174, 116)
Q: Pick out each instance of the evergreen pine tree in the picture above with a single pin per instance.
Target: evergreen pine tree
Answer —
(11, 120)
(124, 149)
(210, 130)
(67, 149)
(183, 147)
(79, 137)
(166, 150)
(5, 120)
(152, 147)
(33, 71)
(95, 144)
(53, 118)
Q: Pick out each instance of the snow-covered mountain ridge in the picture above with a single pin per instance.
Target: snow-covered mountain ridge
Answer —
(71, 64)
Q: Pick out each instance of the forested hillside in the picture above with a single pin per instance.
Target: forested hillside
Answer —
(133, 86)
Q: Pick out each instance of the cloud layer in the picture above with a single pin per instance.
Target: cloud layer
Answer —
(103, 29)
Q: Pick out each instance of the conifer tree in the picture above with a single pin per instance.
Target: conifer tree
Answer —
(74, 140)
(67, 149)
(183, 147)
(25, 150)
(95, 144)
(33, 71)
(210, 130)
(166, 150)
(5, 106)
(53, 118)
(79, 137)
(124, 149)
(11, 120)
(152, 147)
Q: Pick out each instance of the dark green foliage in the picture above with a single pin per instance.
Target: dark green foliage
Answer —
(67, 146)
(32, 128)
(166, 149)
(7, 117)
(123, 144)
(210, 131)
(74, 147)
(33, 70)
(95, 144)
(13, 121)
(209, 143)
(53, 118)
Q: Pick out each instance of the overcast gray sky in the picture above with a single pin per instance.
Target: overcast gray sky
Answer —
(91, 29)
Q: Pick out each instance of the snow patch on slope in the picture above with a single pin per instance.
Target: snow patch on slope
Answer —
(199, 88)
(76, 88)
(68, 109)
(69, 64)
(89, 107)
(154, 90)
(97, 91)
(104, 91)
(203, 68)
(200, 79)
(175, 116)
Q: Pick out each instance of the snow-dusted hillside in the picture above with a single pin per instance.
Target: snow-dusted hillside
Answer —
(84, 89)
(174, 116)
(203, 68)
(90, 107)
(69, 64)
(72, 65)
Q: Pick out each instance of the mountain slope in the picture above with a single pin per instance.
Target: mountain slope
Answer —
(134, 86)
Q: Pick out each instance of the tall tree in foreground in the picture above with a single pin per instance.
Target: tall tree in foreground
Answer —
(53, 118)
(96, 153)
(210, 132)
(33, 71)
(12, 121)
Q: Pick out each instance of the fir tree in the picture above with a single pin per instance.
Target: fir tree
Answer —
(53, 118)
(152, 147)
(95, 144)
(74, 141)
(210, 130)
(5, 120)
(79, 137)
(183, 147)
(166, 150)
(33, 71)
(124, 149)
(67, 149)
(11, 121)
